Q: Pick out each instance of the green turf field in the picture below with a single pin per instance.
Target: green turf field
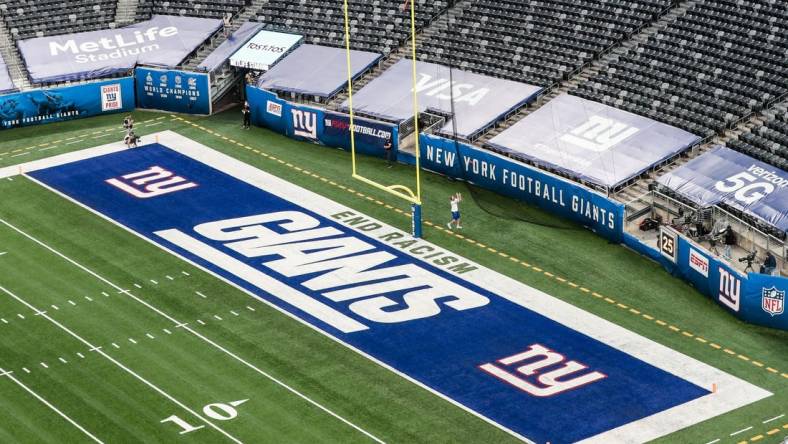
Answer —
(299, 386)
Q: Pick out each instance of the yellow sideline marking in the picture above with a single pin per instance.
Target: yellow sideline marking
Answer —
(515, 259)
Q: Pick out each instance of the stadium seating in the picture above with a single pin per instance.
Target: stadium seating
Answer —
(538, 42)
(36, 18)
(376, 25)
(203, 8)
(767, 142)
(714, 65)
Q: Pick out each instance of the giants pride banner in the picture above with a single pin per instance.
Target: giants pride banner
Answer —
(726, 176)
(173, 91)
(67, 103)
(161, 41)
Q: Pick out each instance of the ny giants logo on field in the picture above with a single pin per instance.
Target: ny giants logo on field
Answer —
(304, 123)
(599, 134)
(153, 182)
(730, 290)
(773, 301)
(699, 262)
(527, 372)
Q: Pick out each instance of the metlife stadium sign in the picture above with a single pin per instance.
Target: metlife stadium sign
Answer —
(264, 50)
(161, 41)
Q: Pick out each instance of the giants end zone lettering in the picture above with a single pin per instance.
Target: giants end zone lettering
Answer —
(529, 365)
(155, 181)
(343, 269)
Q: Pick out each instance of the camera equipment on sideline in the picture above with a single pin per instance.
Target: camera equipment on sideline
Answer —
(750, 258)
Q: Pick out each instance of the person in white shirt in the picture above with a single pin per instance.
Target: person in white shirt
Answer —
(455, 200)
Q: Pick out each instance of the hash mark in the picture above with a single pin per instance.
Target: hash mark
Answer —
(72, 302)
(250, 308)
(115, 345)
(741, 431)
(63, 360)
(55, 307)
(217, 317)
(233, 313)
(44, 365)
(25, 370)
(154, 282)
(21, 316)
(132, 341)
(88, 298)
(81, 356)
(185, 273)
(138, 285)
(773, 419)
(199, 321)
(106, 295)
(166, 331)
(4, 321)
(170, 277)
(201, 295)
(150, 335)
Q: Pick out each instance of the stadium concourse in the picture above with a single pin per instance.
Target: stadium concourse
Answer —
(207, 282)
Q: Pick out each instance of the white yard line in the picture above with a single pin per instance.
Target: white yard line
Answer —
(120, 365)
(741, 431)
(773, 419)
(48, 404)
(190, 330)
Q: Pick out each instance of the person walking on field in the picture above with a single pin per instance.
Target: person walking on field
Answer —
(454, 201)
(247, 115)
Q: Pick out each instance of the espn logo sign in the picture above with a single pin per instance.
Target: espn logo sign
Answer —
(153, 182)
(273, 108)
(529, 376)
(699, 262)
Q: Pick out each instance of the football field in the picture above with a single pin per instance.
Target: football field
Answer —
(120, 323)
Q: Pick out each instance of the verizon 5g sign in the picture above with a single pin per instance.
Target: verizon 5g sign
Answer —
(752, 185)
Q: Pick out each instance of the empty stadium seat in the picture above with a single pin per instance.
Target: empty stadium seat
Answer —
(716, 63)
(537, 42)
(37, 18)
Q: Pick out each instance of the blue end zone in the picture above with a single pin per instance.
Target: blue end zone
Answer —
(443, 351)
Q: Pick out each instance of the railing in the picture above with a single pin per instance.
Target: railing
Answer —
(685, 217)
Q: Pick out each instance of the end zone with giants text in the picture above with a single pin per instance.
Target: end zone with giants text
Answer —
(521, 359)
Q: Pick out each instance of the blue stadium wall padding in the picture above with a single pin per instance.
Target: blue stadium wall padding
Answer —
(316, 125)
(67, 103)
(756, 298)
(510, 178)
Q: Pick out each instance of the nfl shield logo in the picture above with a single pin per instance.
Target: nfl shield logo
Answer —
(773, 301)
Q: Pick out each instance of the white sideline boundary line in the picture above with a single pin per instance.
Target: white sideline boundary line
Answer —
(119, 364)
(178, 324)
(732, 392)
(48, 404)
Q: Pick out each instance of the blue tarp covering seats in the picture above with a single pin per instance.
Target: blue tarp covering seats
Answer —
(222, 53)
(479, 100)
(591, 141)
(726, 176)
(163, 41)
(316, 70)
(6, 84)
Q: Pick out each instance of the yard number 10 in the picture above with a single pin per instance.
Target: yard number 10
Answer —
(218, 411)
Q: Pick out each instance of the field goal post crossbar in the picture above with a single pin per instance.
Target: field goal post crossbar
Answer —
(401, 191)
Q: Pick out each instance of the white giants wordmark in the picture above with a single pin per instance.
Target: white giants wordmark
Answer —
(155, 181)
(528, 374)
(599, 134)
(730, 290)
(304, 123)
(343, 272)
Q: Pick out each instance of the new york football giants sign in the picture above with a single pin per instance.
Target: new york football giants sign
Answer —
(520, 359)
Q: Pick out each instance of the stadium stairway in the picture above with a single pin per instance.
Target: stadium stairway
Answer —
(13, 59)
(126, 12)
(601, 63)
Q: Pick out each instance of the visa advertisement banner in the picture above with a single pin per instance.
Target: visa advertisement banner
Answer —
(173, 91)
(754, 298)
(67, 103)
(517, 180)
(319, 126)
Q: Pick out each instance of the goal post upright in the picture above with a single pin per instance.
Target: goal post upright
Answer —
(400, 191)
